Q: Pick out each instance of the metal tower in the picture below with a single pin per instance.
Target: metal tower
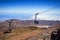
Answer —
(35, 21)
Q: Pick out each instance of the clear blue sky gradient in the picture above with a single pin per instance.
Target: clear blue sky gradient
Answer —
(24, 9)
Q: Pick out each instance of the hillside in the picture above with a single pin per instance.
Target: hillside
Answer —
(27, 30)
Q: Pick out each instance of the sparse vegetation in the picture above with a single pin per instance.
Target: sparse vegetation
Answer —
(25, 33)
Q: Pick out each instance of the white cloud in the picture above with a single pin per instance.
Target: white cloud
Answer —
(46, 17)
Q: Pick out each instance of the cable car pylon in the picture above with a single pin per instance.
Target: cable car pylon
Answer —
(36, 21)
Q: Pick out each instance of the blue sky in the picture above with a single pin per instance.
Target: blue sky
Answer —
(26, 9)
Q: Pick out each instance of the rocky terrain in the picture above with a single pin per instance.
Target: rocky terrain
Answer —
(27, 30)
